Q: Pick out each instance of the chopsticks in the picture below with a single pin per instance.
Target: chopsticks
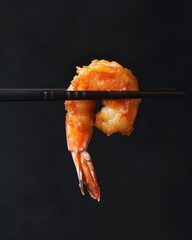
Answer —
(60, 94)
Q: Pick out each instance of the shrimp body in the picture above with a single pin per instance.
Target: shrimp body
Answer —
(115, 116)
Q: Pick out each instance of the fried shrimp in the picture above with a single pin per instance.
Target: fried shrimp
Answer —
(115, 116)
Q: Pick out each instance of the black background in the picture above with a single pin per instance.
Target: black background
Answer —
(145, 179)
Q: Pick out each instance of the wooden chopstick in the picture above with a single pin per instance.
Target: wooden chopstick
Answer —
(60, 94)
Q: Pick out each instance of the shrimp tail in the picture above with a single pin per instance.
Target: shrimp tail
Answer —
(77, 161)
(90, 178)
(86, 173)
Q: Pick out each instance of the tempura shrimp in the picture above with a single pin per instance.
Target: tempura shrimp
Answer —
(115, 116)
